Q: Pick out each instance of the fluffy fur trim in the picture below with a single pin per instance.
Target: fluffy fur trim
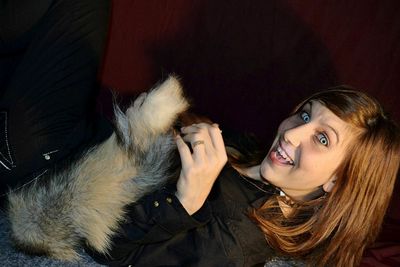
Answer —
(85, 202)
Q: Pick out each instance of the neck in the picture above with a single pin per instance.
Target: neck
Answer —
(251, 172)
(303, 195)
(254, 173)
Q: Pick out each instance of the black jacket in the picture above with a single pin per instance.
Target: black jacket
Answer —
(160, 232)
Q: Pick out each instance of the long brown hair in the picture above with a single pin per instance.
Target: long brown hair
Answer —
(335, 230)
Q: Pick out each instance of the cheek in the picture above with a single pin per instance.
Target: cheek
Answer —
(268, 172)
(286, 124)
(319, 167)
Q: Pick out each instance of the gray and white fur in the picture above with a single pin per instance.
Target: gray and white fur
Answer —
(85, 202)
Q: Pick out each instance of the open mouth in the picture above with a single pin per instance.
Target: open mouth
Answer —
(279, 155)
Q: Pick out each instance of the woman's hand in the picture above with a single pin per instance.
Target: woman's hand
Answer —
(201, 166)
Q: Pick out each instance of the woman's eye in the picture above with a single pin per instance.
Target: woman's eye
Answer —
(323, 139)
(305, 116)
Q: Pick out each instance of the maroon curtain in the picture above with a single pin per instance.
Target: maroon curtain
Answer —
(245, 64)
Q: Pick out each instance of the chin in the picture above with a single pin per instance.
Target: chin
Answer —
(265, 170)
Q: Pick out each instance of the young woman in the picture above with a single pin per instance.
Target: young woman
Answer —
(320, 193)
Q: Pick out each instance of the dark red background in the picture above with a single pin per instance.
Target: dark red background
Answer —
(245, 64)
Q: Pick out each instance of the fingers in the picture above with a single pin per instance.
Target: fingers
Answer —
(199, 148)
(199, 143)
(210, 134)
(184, 151)
(201, 168)
(199, 140)
(217, 140)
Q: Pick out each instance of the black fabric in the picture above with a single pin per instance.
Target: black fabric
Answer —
(159, 232)
(48, 66)
(19, 16)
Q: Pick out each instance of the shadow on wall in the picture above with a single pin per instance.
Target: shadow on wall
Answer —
(246, 64)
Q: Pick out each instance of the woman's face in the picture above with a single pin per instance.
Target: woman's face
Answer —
(307, 150)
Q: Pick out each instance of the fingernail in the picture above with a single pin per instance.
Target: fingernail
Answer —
(215, 125)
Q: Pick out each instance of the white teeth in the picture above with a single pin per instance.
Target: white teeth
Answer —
(283, 154)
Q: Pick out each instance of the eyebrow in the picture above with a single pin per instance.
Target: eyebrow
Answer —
(330, 127)
(336, 133)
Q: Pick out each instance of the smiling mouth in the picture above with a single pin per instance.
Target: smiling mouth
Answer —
(279, 156)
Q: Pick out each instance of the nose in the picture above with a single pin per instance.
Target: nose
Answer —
(297, 134)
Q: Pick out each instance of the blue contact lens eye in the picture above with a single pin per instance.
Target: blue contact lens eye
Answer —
(323, 139)
(305, 117)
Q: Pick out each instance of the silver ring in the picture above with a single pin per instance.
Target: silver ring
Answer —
(195, 143)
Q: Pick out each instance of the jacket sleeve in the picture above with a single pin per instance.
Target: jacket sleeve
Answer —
(151, 225)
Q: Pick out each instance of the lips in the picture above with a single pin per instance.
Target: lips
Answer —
(280, 156)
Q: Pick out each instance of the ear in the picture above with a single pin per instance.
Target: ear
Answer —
(328, 186)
